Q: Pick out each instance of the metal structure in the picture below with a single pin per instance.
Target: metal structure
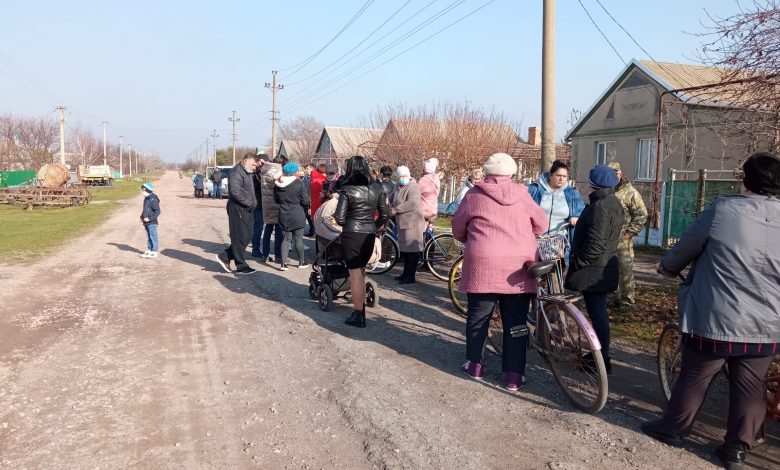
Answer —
(31, 196)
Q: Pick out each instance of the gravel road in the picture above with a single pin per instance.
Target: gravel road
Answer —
(108, 360)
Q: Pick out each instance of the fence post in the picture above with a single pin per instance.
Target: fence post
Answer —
(700, 185)
(667, 226)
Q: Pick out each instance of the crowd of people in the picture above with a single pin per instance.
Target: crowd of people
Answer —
(734, 246)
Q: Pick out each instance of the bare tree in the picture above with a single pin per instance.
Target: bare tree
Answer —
(305, 132)
(746, 47)
(27, 143)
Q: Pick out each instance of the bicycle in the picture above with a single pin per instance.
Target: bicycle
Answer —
(439, 251)
(556, 329)
(669, 359)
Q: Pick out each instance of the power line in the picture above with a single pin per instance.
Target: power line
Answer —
(355, 47)
(397, 55)
(636, 42)
(386, 48)
(26, 77)
(602, 33)
(349, 23)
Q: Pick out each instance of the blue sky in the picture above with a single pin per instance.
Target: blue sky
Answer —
(165, 73)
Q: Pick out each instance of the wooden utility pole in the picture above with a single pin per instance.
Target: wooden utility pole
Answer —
(234, 120)
(214, 136)
(62, 134)
(548, 85)
(104, 143)
(120, 156)
(274, 117)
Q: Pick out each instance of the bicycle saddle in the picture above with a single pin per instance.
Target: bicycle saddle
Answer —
(538, 269)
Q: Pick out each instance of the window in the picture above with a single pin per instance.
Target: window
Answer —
(605, 152)
(646, 152)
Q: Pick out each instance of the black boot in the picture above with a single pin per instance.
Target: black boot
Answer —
(358, 318)
(731, 455)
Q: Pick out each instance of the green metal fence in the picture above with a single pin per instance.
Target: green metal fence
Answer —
(15, 178)
(687, 193)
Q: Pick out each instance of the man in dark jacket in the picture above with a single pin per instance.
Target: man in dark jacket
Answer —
(216, 178)
(593, 268)
(149, 216)
(240, 207)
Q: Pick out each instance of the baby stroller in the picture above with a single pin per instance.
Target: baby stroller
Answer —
(329, 278)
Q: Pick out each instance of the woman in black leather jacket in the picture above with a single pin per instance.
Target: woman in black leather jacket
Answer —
(360, 198)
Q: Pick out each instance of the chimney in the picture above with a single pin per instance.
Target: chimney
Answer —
(535, 136)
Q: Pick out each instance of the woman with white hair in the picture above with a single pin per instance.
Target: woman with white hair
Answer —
(429, 189)
(406, 206)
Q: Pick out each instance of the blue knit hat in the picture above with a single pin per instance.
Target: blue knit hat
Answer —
(290, 168)
(602, 176)
(148, 187)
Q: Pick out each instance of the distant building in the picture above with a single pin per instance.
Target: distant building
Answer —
(294, 150)
(336, 144)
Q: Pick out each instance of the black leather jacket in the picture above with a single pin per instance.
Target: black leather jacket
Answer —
(357, 206)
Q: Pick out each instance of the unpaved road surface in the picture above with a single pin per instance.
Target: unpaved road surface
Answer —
(108, 360)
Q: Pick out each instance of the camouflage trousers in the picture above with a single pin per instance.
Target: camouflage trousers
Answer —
(626, 293)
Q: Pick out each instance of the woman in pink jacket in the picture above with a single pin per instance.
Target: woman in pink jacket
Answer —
(498, 222)
(429, 189)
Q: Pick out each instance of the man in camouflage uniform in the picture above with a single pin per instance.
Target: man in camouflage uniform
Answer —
(635, 216)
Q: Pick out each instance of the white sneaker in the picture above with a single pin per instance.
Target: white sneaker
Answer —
(145, 254)
(152, 254)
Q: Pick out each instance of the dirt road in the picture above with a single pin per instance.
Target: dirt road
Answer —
(108, 360)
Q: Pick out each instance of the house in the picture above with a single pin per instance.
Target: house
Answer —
(336, 144)
(528, 155)
(294, 150)
(622, 125)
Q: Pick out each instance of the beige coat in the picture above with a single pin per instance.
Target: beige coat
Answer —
(324, 224)
(270, 172)
(407, 207)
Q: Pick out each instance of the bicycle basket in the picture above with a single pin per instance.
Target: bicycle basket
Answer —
(552, 247)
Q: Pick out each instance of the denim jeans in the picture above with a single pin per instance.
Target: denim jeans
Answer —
(257, 232)
(151, 237)
(596, 306)
(217, 193)
(276, 230)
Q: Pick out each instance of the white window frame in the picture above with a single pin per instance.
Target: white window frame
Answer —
(646, 149)
(598, 153)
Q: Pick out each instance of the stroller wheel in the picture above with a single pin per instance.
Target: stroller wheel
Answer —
(325, 298)
(313, 290)
(372, 298)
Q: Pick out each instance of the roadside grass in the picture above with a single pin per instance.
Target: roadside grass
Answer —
(26, 235)
(656, 305)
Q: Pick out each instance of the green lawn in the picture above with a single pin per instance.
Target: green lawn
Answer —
(26, 234)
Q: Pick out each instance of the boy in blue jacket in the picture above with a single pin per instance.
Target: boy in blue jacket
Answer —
(149, 218)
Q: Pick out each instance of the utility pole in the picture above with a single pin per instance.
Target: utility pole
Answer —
(130, 157)
(234, 120)
(62, 134)
(273, 87)
(548, 85)
(120, 156)
(104, 142)
(214, 136)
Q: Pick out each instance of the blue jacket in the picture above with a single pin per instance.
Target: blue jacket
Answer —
(573, 198)
(151, 209)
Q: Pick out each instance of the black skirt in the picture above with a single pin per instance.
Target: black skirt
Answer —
(358, 248)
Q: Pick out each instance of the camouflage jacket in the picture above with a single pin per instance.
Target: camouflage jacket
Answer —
(634, 210)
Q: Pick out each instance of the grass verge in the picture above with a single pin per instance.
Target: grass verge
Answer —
(29, 234)
(656, 305)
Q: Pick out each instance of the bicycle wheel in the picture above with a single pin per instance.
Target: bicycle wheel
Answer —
(669, 359)
(459, 299)
(390, 253)
(440, 252)
(575, 362)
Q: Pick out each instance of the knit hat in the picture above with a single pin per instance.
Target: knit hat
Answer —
(762, 174)
(148, 187)
(402, 171)
(614, 165)
(602, 176)
(500, 164)
(430, 165)
(290, 168)
(477, 174)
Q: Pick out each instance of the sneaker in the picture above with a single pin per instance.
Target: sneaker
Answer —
(145, 254)
(472, 369)
(224, 261)
(263, 259)
(246, 270)
(732, 456)
(152, 254)
(257, 254)
(283, 267)
(513, 381)
(658, 431)
(303, 265)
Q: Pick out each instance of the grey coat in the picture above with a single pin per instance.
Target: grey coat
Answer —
(407, 207)
(733, 290)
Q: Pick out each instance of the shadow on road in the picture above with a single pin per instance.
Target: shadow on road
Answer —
(124, 247)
